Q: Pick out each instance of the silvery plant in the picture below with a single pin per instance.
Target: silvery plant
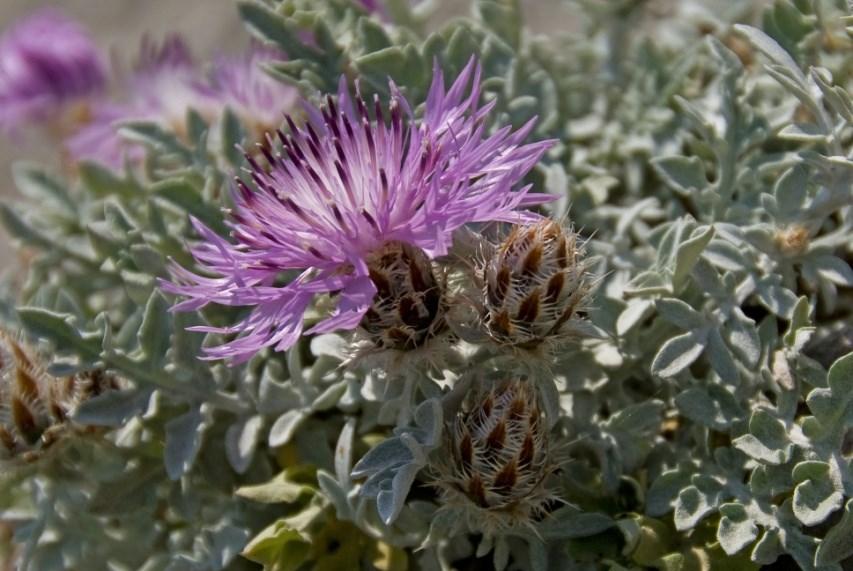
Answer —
(394, 290)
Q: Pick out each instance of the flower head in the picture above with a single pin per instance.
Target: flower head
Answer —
(530, 289)
(47, 62)
(343, 187)
(497, 459)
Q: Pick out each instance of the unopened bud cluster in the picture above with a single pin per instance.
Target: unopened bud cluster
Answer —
(526, 292)
(35, 406)
(498, 459)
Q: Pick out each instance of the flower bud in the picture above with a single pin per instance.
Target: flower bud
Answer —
(409, 306)
(497, 462)
(534, 285)
(34, 405)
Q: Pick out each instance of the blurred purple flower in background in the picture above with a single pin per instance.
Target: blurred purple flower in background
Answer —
(48, 63)
(164, 84)
(258, 100)
(343, 187)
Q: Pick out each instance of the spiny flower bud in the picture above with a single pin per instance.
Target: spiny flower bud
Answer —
(534, 284)
(497, 463)
(409, 306)
(35, 405)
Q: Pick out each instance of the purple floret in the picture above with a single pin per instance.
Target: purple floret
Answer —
(47, 62)
(343, 186)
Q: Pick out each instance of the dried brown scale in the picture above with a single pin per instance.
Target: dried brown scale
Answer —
(409, 306)
(498, 459)
(35, 406)
(534, 285)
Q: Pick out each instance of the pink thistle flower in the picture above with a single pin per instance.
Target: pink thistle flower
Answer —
(343, 187)
(47, 63)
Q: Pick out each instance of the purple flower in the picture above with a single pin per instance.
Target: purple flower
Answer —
(47, 62)
(341, 188)
(164, 85)
(258, 100)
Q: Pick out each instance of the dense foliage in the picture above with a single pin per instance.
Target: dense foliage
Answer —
(696, 411)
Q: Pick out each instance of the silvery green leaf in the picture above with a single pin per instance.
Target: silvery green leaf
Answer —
(329, 344)
(682, 174)
(500, 556)
(648, 283)
(768, 548)
(736, 529)
(233, 136)
(502, 17)
(538, 555)
(721, 358)
(389, 503)
(35, 183)
(713, 406)
(778, 299)
(181, 193)
(286, 426)
(834, 269)
(791, 191)
(767, 440)
(388, 453)
(226, 542)
(112, 408)
(428, 416)
(156, 331)
(770, 48)
(835, 95)
(664, 490)
(803, 133)
(637, 310)
(343, 452)
(241, 439)
(183, 441)
(59, 330)
(102, 182)
(688, 253)
(329, 397)
(693, 504)
(726, 256)
(816, 495)
(280, 489)
(836, 545)
(832, 407)
(742, 336)
(336, 494)
(679, 313)
(570, 523)
(679, 352)
(21, 229)
(154, 135)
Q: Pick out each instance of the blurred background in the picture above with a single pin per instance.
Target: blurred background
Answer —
(210, 27)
